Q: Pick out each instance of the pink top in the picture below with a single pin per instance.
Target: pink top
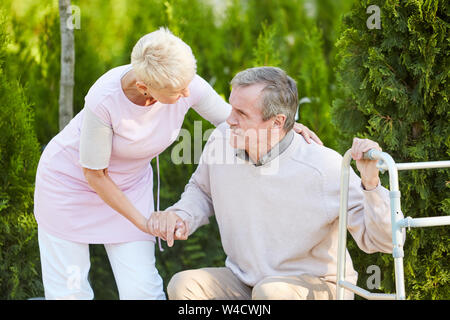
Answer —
(64, 203)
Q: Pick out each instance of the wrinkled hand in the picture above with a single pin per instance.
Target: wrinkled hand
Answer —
(168, 226)
(306, 133)
(367, 168)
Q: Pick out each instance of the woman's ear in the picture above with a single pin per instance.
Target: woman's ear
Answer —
(141, 86)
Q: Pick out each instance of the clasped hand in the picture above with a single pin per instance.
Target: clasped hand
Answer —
(168, 226)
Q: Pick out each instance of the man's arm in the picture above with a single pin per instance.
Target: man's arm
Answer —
(192, 210)
(369, 219)
(369, 216)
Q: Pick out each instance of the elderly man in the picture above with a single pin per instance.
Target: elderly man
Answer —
(276, 202)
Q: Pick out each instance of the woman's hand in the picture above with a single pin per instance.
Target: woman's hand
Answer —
(168, 226)
(306, 133)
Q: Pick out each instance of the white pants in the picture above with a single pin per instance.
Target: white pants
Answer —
(65, 268)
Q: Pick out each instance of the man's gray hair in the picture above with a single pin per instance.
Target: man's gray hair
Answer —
(280, 94)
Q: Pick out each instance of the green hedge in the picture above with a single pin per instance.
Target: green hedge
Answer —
(19, 155)
(394, 89)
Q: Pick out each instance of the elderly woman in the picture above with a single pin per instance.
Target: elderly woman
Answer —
(94, 179)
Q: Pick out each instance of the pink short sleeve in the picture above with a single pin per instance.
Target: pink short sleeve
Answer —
(98, 108)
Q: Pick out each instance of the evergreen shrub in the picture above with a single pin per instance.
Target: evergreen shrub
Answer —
(19, 155)
(394, 84)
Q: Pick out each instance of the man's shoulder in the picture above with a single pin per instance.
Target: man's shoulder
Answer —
(218, 137)
(223, 126)
(217, 149)
(317, 157)
(220, 132)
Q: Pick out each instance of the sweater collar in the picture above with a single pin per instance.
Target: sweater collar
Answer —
(276, 150)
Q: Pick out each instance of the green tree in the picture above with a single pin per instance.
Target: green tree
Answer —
(265, 52)
(35, 46)
(394, 90)
(19, 155)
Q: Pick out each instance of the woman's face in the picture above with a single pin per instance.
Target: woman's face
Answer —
(170, 95)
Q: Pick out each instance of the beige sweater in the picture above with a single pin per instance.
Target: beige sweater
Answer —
(281, 218)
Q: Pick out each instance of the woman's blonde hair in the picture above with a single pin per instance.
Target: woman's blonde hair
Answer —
(162, 60)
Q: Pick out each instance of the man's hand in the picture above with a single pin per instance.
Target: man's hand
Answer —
(168, 226)
(306, 133)
(367, 168)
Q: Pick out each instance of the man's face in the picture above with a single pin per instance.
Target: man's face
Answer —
(248, 130)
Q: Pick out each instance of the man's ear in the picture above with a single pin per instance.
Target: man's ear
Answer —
(279, 121)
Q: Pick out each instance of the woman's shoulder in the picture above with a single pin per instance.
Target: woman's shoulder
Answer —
(112, 77)
(197, 81)
(199, 85)
(106, 85)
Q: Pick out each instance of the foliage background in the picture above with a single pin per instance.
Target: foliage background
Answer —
(394, 85)
(338, 64)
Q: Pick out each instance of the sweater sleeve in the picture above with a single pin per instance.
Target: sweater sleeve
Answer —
(369, 215)
(195, 205)
(208, 103)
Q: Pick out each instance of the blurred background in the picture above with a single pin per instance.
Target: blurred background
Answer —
(389, 84)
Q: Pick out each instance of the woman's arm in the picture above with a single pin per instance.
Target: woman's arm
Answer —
(105, 187)
(208, 103)
(95, 152)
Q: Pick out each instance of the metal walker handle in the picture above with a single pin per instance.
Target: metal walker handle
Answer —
(397, 221)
